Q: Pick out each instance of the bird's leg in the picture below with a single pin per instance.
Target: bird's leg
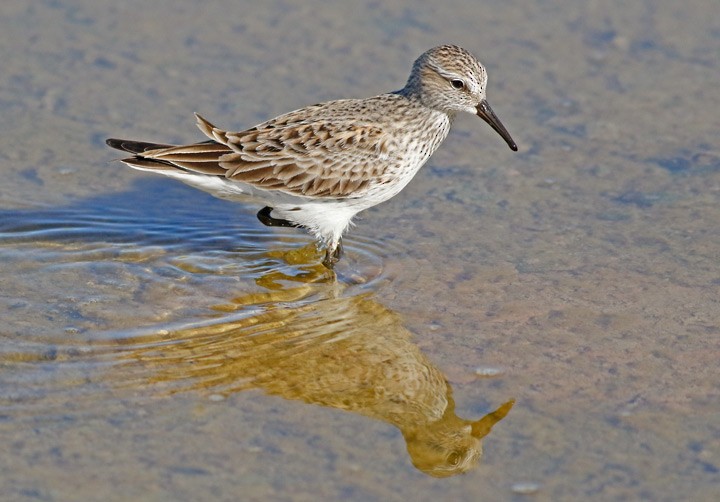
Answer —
(267, 220)
(333, 253)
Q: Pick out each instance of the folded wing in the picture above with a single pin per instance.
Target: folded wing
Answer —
(295, 153)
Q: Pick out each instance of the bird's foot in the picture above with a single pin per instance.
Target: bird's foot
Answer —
(333, 255)
(266, 219)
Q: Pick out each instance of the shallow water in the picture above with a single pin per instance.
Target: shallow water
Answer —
(160, 344)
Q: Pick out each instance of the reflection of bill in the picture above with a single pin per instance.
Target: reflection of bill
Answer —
(349, 353)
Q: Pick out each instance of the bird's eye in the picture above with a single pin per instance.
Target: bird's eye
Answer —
(457, 83)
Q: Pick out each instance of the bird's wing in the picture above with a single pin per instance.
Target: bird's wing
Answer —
(302, 153)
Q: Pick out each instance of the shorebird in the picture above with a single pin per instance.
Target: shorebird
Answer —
(317, 167)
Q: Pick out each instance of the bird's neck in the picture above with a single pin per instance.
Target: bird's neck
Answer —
(414, 93)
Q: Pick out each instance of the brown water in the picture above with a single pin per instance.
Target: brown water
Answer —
(159, 344)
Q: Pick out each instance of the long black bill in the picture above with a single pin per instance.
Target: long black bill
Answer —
(488, 115)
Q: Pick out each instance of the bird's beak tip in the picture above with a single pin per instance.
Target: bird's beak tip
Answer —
(486, 113)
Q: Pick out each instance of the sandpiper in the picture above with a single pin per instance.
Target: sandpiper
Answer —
(319, 166)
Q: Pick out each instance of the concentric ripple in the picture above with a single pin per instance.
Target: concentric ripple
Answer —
(86, 283)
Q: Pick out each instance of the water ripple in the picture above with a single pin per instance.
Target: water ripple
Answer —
(85, 283)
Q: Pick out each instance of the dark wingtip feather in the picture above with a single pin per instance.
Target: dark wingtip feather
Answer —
(130, 146)
(114, 143)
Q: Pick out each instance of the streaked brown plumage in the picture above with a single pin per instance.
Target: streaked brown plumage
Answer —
(318, 166)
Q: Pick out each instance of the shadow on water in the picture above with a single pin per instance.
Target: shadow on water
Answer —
(291, 328)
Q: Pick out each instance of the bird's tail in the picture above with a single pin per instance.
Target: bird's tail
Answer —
(198, 158)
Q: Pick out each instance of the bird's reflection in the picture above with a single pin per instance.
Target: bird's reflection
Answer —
(339, 350)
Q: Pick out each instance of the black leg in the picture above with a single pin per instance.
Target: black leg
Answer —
(267, 220)
(332, 256)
